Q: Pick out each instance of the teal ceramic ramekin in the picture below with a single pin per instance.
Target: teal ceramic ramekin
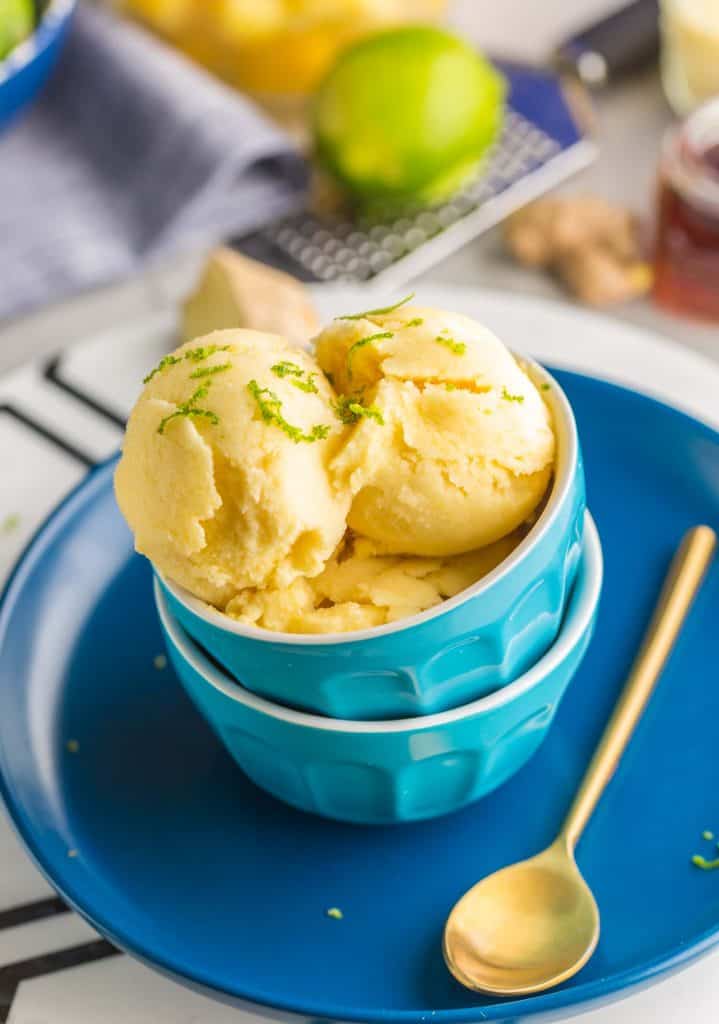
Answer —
(469, 646)
(403, 770)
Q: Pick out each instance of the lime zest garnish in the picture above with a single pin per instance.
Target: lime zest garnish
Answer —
(350, 409)
(352, 350)
(162, 365)
(270, 408)
(450, 386)
(197, 355)
(511, 398)
(287, 369)
(10, 524)
(546, 387)
(194, 355)
(209, 371)
(706, 865)
(377, 312)
(296, 373)
(416, 321)
(72, 746)
(191, 409)
(458, 347)
(707, 834)
(335, 913)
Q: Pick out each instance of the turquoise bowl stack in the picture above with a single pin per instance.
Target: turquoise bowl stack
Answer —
(418, 717)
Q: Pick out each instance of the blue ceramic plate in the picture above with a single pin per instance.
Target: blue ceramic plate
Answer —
(185, 863)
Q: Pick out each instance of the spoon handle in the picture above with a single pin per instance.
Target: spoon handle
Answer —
(680, 587)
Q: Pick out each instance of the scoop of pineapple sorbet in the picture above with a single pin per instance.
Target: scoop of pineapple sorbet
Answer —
(224, 471)
(450, 445)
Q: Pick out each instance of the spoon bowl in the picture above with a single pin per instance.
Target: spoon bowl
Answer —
(531, 926)
(524, 928)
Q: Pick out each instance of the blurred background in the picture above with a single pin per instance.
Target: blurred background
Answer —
(567, 150)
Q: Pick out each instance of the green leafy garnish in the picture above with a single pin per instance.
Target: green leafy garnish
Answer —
(270, 408)
(350, 409)
(377, 312)
(296, 373)
(194, 355)
(416, 321)
(352, 350)
(511, 398)
(191, 409)
(458, 347)
(209, 371)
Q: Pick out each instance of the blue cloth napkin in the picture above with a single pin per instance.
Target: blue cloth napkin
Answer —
(131, 154)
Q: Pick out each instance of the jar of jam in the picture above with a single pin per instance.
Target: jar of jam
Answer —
(686, 256)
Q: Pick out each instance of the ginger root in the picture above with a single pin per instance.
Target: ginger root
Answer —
(593, 246)
(235, 291)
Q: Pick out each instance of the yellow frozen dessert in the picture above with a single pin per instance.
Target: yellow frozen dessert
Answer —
(360, 588)
(223, 477)
(450, 446)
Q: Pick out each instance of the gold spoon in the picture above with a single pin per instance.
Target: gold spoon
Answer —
(535, 924)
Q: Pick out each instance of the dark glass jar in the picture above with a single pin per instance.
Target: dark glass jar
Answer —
(686, 254)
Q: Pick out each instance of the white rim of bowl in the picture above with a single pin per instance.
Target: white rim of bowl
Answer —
(566, 433)
(591, 570)
(55, 13)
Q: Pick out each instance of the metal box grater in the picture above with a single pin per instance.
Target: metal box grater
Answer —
(541, 145)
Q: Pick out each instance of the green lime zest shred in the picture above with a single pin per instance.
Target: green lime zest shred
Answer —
(707, 834)
(335, 913)
(162, 365)
(191, 409)
(194, 355)
(296, 373)
(458, 347)
(377, 312)
(10, 524)
(706, 865)
(350, 409)
(546, 387)
(209, 371)
(287, 369)
(416, 321)
(508, 397)
(270, 408)
(353, 349)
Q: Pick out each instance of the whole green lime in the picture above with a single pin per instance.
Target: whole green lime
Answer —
(405, 115)
(17, 20)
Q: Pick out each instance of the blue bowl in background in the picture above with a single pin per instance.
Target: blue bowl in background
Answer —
(466, 647)
(25, 69)
(377, 773)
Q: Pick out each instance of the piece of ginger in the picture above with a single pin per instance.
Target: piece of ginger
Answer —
(235, 291)
(592, 245)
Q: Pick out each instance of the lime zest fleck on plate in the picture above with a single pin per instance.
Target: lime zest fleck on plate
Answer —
(10, 523)
(377, 312)
(335, 913)
(707, 834)
(706, 865)
(72, 746)
(270, 407)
